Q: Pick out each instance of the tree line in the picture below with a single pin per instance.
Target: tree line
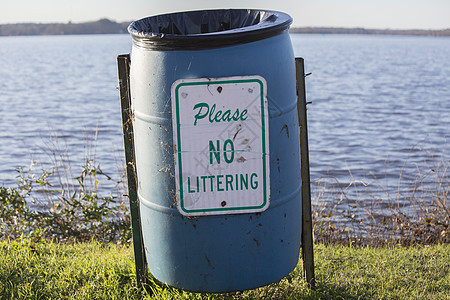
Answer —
(334, 30)
(103, 26)
(106, 26)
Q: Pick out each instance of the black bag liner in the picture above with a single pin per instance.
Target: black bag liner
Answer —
(195, 30)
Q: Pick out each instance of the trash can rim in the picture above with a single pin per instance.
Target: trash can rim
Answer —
(185, 31)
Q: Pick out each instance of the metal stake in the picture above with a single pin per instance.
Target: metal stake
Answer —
(123, 63)
(307, 241)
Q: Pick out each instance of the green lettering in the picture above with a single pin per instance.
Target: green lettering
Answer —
(214, 151)
(244, 181)
(229, 182)
(243, 115)
(225, 151)
(199, 114)
(213, 116)
(219, 182)
(211, 113)
(236, 115)
(253, 182)
(226, 117)
(189, 186)
(217, 116)
(211, 177)
(204, 184)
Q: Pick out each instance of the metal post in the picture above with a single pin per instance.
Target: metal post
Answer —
(123, 63)
(307, 241)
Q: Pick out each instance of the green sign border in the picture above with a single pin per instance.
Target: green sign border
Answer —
(263, 129)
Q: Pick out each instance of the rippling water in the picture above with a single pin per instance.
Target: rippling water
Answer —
(380, 104)
(381, 107)
(63, 86)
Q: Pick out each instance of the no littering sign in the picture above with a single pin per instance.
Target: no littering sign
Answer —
(221, 145)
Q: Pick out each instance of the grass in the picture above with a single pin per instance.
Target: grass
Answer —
(58, 205)
(55, 271)
(389, 273)
(370, 211)
(44, 270)
(94, 260)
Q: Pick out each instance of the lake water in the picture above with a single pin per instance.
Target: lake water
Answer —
(380, 104)
(380, 111)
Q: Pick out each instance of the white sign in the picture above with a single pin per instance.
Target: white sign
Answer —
(221, 145)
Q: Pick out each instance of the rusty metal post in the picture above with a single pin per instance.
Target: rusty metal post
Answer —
(307, 240)
(123, 64)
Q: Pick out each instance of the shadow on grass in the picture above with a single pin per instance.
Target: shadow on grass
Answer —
(291, 287)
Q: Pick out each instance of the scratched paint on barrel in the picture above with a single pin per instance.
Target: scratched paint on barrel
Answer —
(221, 145)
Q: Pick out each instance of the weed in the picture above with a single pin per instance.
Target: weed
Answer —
(79, 216)
(369, 213)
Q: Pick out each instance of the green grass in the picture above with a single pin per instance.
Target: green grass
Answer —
(56, 271)
(389, 273)
(45, 270)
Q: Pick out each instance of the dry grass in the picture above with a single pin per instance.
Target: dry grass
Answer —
(417, 212)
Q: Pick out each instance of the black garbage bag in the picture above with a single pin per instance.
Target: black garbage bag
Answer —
(207, 28)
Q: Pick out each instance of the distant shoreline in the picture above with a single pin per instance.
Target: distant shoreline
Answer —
(336, 30)
(106, 26)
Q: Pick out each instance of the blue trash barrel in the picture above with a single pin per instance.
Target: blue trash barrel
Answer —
(250, 236)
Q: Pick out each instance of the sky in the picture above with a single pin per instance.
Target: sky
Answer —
(376, 14)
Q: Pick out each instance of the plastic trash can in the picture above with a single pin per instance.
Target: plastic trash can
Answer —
(217, 147)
